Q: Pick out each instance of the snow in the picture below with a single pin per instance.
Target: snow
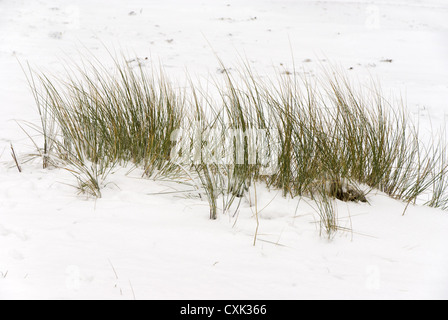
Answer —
(55, 244)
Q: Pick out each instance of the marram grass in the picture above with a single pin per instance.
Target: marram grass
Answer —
(315, 137)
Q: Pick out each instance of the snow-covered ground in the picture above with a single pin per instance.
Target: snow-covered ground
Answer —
(131, 243)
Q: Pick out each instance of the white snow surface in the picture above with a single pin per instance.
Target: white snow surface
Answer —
(132, 244)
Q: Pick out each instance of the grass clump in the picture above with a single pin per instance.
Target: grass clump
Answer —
(319, 138)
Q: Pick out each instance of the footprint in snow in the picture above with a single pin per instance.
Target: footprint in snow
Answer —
(6, 232)
(16, 255)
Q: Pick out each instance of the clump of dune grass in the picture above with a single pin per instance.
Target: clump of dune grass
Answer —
(322, 138)
(94, 118)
